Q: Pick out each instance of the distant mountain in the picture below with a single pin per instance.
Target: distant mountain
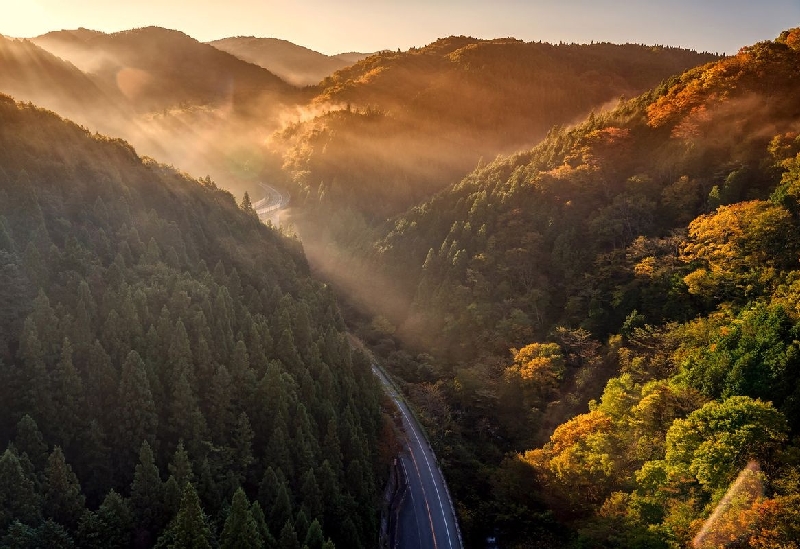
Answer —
(295, 64)
(156, 68)
(171, 96)
(30, 73)
(351, 56)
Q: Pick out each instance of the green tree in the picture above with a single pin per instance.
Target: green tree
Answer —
(288, 537)
(137, 421)
(63, 500)
(18, 498)
(68, 398)
(147, 496)
(190, 528)
(241, 530)
(715, 442)
(29, 440)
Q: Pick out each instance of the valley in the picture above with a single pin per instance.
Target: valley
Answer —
(481, 292)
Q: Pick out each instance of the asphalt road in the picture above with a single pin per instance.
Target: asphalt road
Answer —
(274, 200)
(427, 519)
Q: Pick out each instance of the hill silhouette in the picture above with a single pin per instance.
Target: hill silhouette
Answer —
(156, 68)
(295, 64)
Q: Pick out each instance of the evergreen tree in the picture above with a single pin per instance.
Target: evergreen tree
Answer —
(18, 498)
(100, 386)
(288, 537)
(314, 538)
(261, 523)
(181, 467)
(190, 528)
(186, 420)
(68, 399)
(220, 409)
(147, 497)
(137, 420)
(29, 440)
(63, 500)
(95, 466)
(311, 496)
(110, 526)
(243, 448)
(301, 525)
(172, 497)
(281, 512)
(241, 530)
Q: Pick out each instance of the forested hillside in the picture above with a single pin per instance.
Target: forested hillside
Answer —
(653, 245)
(404, 125)
(169, 373)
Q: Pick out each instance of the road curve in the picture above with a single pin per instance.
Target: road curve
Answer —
(274, 200)
(427, 519)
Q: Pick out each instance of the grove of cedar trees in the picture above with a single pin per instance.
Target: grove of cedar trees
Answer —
(170, 376)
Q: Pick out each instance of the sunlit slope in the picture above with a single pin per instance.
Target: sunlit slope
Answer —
(619, 306)
(525, 235)
(407, 123)
(295, 64)
(164, 354)
(156, 68)
(173, 98)
(31, 73)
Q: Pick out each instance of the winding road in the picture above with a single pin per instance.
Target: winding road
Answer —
(273, 201)
(426, 518)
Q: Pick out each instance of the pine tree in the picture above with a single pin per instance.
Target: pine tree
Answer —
(191, 530)
(241, 530)
(314, 538)
(301, 525)
(95, 466)
(63, 500)
(220, 413)
(68, 398)
(109, 526)
(311, 496)
(261, 524)
(186, 420)
(147, 496)
(172, 497)
(100, 385)
(38, 399)
(18, 498)
(137, 419)
(29, 440)
(288, 537)
(180, 360)
(247, 206)
(243, 448)
(181, 467)
(281, 512)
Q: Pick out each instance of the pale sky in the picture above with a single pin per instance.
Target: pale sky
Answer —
(333, 26)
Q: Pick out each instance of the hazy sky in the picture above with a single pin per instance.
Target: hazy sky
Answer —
(333, 26)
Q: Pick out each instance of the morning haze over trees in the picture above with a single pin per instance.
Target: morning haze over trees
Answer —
(579, 262)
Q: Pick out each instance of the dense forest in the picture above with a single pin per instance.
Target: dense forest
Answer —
(170, 375)
(599, 329)
(650, 250)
